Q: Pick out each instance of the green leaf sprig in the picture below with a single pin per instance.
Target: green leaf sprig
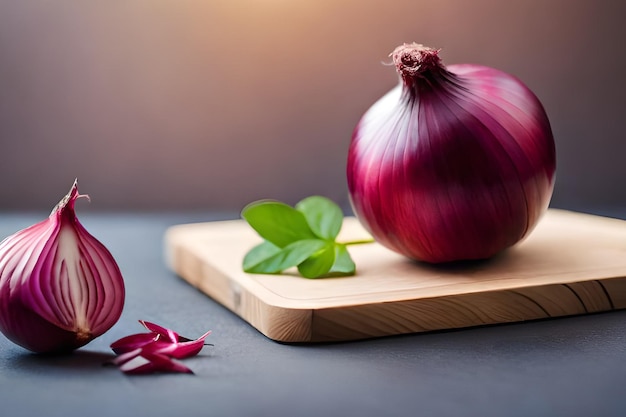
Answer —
(302, 236)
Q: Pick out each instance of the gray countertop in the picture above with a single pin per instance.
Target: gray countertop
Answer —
(563, 367)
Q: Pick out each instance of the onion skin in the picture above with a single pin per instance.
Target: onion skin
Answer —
(59, 286)
(455, 163)
(156, 351)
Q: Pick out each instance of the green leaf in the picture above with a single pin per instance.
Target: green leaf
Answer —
(258, 254)
(324, 216)
(291, 255)
(302, 236)
(277, 222)
(319, 263)
(344, 265)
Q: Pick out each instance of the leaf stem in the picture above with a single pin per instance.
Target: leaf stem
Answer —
(357, 242)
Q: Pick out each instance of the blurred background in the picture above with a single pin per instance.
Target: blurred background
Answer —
(206, 105)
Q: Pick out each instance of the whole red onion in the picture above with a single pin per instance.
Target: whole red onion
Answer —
(455, 163)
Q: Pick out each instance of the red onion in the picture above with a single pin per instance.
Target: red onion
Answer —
(59, 286)
(455, 163)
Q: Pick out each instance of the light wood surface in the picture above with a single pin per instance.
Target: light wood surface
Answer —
(571, 264)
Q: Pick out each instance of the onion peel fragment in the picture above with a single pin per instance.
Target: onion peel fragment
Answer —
(159, 350)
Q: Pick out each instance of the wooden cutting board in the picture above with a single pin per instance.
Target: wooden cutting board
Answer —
(571, 264)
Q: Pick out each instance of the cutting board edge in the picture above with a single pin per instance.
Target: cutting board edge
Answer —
(459, 311)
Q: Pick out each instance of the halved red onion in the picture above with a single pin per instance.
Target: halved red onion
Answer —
(454, 163)
(59, 286)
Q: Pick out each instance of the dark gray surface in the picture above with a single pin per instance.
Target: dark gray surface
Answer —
(563, 367)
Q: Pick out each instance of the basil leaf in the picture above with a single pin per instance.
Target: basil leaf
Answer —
(277, 222)
(319, 263)
(291, 255)
(302, 236)
(258, 254)
(344, 265)
(324, 216)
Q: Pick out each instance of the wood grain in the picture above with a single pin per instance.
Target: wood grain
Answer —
(572, 263)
